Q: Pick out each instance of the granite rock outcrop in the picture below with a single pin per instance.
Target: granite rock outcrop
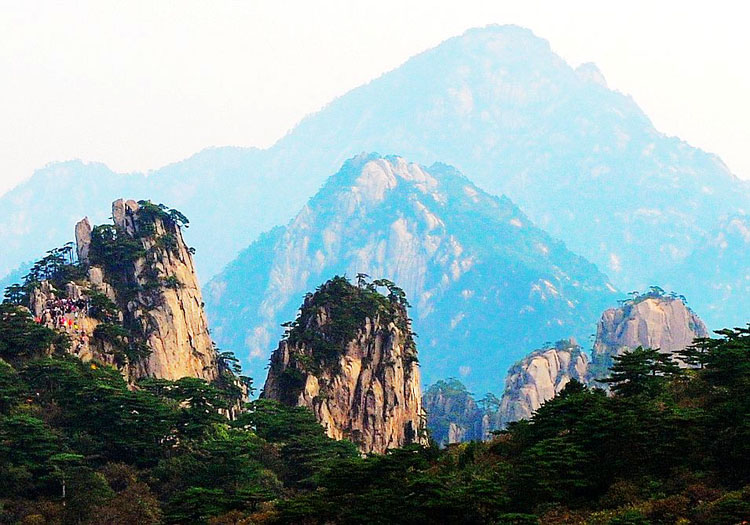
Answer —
(350, 358)
(539, 377)
(135, 302)
(653, 320)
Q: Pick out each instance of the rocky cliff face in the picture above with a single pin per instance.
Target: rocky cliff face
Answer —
(350, 358)
(539, 377)
(136, 303)
(453, 416)
(653, 320)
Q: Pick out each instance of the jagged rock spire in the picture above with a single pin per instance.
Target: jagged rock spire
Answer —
(158, 302)
(83, 240)
(364, 385)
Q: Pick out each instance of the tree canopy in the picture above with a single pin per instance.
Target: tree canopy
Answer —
(79, 445)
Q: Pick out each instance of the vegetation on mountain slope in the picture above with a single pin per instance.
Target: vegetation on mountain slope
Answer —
(346, 307)
(77, 446)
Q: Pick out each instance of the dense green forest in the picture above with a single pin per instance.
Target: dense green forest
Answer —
(77, 446)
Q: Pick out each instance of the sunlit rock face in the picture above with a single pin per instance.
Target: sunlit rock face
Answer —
(484, 282)
(539, 377)
(155, 300)
(366, 388)
(652, 321)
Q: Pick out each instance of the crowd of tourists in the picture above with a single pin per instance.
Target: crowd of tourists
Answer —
(64, 314)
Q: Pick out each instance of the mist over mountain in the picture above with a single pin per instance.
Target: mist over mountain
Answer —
(37, 215)
(16, 275)
(485, 283)
(452, 295)
(582, 161)
(717, 273)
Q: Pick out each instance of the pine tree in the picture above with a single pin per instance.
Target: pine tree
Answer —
(641, 372)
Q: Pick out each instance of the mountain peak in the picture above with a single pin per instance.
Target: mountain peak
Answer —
(351, 358)
(483, 280)
(591, 73)
(539, 377)
(509, 35)
(650, 320)
(497, 103)
(131, 300)
(381, 174)
(488, 49)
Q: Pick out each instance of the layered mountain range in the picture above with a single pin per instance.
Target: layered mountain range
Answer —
(125, 296)
(495, 102)
(571, 181)
(484, 282)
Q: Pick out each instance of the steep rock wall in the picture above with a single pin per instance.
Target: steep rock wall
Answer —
(539, 377)
(367, 389)
(171, 316)
(654, 321)
(139, 309)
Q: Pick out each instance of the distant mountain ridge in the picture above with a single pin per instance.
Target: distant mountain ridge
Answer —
(484, 282)
(583, 161)
(36, 215)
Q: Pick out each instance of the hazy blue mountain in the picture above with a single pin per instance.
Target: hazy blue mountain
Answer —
(39, 214)
(485, 283)
(717, 273)
(583, 161)
(15, 276)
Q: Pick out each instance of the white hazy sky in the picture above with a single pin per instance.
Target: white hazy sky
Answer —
(137, 85)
